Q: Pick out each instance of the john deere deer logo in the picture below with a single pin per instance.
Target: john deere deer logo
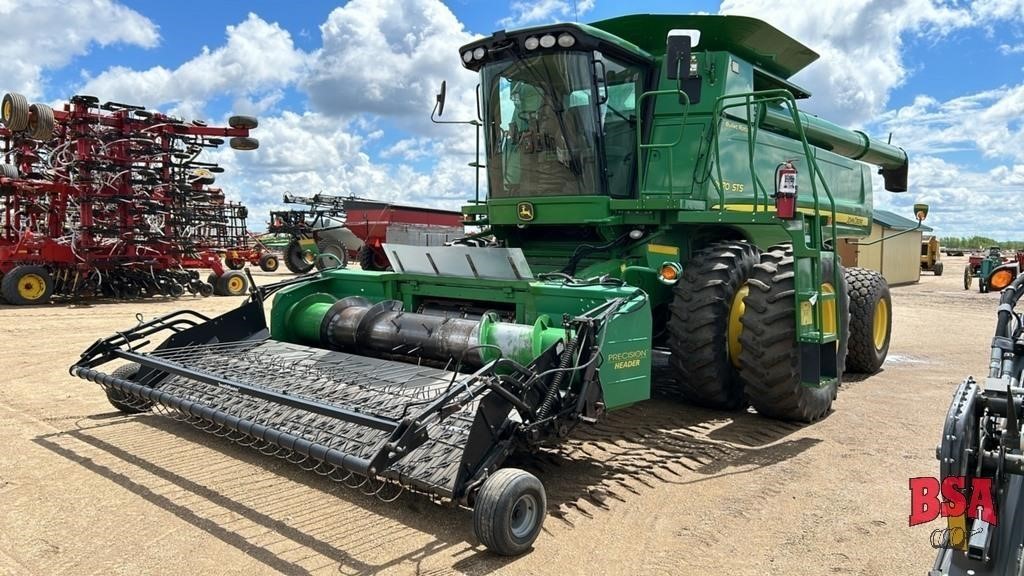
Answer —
(525, 210)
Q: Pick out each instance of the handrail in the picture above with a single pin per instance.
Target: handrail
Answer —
(640, 172)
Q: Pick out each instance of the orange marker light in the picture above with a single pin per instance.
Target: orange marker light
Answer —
(1000, 279)
(669, 273)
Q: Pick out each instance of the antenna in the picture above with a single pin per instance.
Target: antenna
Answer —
(575, 12)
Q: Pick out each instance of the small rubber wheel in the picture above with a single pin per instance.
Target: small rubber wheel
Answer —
(243, 122)
(26, 285)
(14, 112)
(126, 402)
(40, 125)
(269, 263)
(234, 263)
(232, 283)
(205, 289)
(334, 255)
(243, 143)
(175, 290)
(870, 320)
(968, 277)
(295, 258)
(937, 269)
(509, 511)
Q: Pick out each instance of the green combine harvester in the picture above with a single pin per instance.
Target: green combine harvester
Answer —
(651, 186)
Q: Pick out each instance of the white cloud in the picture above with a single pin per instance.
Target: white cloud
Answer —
(388, 57)
(1007, 49)
(543, 11)
(44, 35)
(860, 43)
(257, 59)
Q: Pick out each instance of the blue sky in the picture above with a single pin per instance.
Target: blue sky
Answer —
(344, 90)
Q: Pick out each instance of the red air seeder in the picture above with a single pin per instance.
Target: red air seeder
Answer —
(111, 199)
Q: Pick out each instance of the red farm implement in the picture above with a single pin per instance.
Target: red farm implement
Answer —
(109, 200)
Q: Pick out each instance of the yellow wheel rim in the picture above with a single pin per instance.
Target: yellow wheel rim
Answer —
(271, 262)
(735, 328)
(235, 285)
(828, 311)
(31, 287)
(7, 111)
(880, 324)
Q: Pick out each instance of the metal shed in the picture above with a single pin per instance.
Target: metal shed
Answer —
(898, 259)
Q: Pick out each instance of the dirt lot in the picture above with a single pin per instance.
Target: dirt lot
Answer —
(657, 488)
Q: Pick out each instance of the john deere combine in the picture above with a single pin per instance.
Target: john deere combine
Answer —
(651, 184)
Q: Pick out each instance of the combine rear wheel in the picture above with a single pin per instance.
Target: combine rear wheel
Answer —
(705, 328)
(295, 258)
(870, 320)
(26, 285)
(770, 355)
(334, 255)
(125, 402)
(509, 511)
(269, 263)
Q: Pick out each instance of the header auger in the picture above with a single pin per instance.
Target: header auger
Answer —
(651, 184)
(110, 199)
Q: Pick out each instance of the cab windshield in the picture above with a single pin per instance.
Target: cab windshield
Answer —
(551, 130)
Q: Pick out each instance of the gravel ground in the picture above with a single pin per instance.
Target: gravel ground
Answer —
(657, 488)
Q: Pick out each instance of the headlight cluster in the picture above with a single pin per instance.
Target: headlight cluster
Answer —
(476, 54)
(565, 40)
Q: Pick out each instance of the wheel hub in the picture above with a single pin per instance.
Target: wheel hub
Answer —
(880, 323)
(31, 287)
(235, 285)
(735, 328)
(524, 515)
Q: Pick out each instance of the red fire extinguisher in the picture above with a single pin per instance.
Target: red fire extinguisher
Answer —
(785, 190)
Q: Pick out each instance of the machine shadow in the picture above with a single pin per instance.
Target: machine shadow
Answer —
(659, 441)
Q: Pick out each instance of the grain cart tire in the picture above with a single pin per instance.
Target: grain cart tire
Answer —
(968, 277)
(269, 263)
(509, 511)
(124, 402)
(232, 283)
(295, 259)
(244, 122)
(25, 285)
(704, 327)
(870, 320)
(368, 259)
(40, 126)
(937, 269)
(8, 171)
(234, 263)
(243, 143)
(770, 355)
(15, 112)
(335, 249)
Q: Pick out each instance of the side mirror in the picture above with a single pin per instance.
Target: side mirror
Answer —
(680, 63)
(921, 212)
(439, 105)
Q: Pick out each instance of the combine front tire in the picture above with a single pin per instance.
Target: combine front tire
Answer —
(870, 320)
(25, 285)
(770, 354)
(269, 263)
(509, 511)
(295, 258)
(705, 328)
(125, 402)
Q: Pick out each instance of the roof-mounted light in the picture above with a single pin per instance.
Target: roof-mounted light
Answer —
(566, 40)
(479, 53)
(467, 56)
(547, 41)
(531, 43)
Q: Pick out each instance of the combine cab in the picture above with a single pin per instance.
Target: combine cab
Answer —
(651, 185)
